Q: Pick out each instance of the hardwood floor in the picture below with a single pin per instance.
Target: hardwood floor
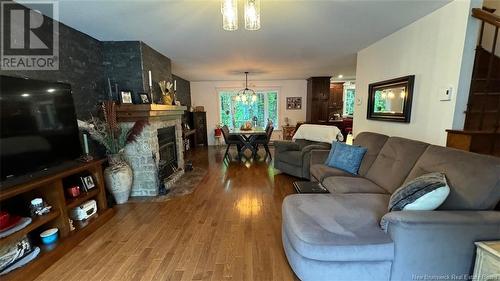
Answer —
(228, 229)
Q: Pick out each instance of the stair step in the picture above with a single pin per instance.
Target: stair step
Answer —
(486, 93)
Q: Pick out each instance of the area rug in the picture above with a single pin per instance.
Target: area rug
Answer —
(186, 184)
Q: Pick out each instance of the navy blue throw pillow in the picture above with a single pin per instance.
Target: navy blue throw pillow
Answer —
(347, 157)
(332, 149)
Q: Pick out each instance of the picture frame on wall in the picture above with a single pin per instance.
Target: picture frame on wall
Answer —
(294, 103)
(126, 97)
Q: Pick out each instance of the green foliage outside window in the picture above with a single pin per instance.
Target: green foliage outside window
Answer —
(349, 101)
(379, 105)
(235, 113)
(272, 101)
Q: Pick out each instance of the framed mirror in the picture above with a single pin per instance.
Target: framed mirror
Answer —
(390, 100)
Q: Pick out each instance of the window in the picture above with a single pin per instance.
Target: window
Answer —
(349, 97)
(235, 113)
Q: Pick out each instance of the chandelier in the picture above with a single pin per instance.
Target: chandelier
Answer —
(246, 95)
(229, 10)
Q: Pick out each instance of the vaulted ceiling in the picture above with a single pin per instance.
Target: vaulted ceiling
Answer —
(298, 39)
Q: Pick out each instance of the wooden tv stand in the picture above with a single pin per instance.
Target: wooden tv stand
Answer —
(16, 200)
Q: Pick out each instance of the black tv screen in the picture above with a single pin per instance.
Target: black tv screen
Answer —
(38, 127)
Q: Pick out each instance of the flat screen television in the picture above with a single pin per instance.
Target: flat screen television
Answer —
(38, 127)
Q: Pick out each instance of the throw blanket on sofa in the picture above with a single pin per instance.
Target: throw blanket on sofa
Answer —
(319, 133)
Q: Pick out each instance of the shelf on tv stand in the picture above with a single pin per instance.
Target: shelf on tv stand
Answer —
(75, 168)
(51, 189)
(35, 223)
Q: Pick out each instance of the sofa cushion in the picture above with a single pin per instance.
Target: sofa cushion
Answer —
(291, 157)
(347, 157)
(330, 154)
(319, 172)
(344, 227)
(374, 143)
(394, 162)
(424, 193)
(340, 184)
(314, 270)
(474, 179)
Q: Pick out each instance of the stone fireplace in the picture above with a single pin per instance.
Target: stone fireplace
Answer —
(158, 151)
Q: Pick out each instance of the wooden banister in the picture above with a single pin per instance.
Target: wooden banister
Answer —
(481, 131)
(486, 16)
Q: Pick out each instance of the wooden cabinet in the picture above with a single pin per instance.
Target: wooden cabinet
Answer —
(198, 121)
(336, 100)
(318, 95)
(15, 199)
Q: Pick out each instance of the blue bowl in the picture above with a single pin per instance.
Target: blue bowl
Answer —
(49, 236)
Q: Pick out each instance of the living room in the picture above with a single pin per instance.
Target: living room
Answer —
(250, 140)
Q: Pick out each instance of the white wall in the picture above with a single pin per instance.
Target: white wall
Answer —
(206, 94)
(438, 52)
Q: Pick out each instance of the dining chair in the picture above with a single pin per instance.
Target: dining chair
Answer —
(264, 140)
(230, 140)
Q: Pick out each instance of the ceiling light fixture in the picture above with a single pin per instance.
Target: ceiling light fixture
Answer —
(252, 14)
(229, 10)
(340, 76)
(246, 94)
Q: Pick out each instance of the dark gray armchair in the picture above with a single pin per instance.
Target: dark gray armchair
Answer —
(293, 157)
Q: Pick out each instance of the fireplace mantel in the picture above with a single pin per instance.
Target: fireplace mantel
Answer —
(150, 112)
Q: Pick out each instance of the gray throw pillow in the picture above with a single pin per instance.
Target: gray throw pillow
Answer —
(426, 192)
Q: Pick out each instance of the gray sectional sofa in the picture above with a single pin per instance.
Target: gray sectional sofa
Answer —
(350, 234)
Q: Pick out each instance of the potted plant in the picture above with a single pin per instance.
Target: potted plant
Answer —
(118, 175)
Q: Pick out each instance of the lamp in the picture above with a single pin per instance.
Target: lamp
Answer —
(246, 94)
(229, 10)
(252, 14)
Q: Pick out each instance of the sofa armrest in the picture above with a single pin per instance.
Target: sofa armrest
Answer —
(444, 218)
(437, 243)
(319, 156)
(282, 146)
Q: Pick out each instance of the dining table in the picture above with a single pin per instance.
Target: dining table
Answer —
(247, 137)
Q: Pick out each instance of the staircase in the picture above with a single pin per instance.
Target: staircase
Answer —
(481, 131)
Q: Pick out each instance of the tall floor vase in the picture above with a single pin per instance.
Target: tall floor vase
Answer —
(118, 177)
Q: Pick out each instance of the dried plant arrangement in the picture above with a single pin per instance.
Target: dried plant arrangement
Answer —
(107, 132)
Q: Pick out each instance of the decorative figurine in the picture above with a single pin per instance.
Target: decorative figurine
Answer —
(168, 95)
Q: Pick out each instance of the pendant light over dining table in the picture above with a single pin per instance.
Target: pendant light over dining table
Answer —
(246, 95)
(229, 10)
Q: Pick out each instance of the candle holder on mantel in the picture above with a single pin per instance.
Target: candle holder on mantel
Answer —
(174, 98)
(86, 157)
(152, 94)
